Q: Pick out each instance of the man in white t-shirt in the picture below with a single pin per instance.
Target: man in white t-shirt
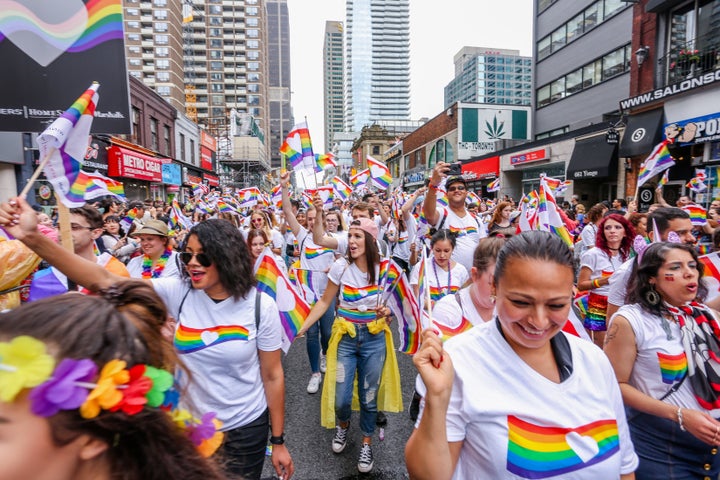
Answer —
(455, 216)
(667, 220)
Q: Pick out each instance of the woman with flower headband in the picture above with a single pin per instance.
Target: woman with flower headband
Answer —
(158, 260)
(664, 347)
(84, 394)
(227, 334)
(360, 344)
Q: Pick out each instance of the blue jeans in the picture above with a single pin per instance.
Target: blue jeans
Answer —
(365, 354)
(313, 344)
(665, 451)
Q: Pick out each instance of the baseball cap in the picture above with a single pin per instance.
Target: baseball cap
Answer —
(454, 179)
(366, 225)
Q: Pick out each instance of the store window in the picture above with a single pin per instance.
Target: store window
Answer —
(154, 134)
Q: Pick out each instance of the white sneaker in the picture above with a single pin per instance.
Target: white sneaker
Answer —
(314, 384)
(340, 438)
(365, 461)
(323, 363)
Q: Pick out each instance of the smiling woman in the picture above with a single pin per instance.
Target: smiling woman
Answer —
(527, 363)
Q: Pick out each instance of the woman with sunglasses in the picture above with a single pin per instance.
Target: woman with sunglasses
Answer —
(158, 259)
(361, 343)
(227, 335)
(261, 220)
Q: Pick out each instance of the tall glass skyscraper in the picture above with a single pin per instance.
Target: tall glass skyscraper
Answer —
(377, 60)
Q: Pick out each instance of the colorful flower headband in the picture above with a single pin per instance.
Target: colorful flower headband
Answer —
(74, 384)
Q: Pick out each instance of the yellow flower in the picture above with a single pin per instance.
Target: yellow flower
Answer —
(180, 417)
(106, 395)
(24, 363)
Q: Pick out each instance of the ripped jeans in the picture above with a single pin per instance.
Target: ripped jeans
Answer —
(365, 354)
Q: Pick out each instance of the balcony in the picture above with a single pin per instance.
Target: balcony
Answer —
(691, 59)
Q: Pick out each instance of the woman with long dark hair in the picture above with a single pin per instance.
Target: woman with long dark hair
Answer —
(227, 333)
(664, 347)
(444, 276)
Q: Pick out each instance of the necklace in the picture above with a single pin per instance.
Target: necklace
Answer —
(444, 290)
(147, 269)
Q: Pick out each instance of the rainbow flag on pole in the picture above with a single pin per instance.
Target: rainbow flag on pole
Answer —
(494, 186)
(297, 147)
(342, 190)
(272, 281)
(379, 173)
(360, 179)
(658, 161)
(698, 215)
(324, 160)
(65, 141)
(399, 296)
(549, 219)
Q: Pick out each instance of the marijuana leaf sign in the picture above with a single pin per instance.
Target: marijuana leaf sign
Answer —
(496, 130)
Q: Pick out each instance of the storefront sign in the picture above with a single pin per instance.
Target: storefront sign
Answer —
(129, 164)
(528, 157)
(485, 168)
(413, 178)
(481, 127)
(695, 130)
(211, 180)
(670, 90)
(171, 174)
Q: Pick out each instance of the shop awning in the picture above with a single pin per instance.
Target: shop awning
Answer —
(643, 132)
(657, 6)
(592, 158)
(488, 167)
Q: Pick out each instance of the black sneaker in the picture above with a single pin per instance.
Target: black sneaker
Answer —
(340, 438)
(365, 461)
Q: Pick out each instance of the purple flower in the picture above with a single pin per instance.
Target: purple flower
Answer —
(203, 430)
(61, 392)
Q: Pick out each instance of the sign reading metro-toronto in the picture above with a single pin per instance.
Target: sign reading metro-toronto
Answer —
(670, 90)
(51, 52)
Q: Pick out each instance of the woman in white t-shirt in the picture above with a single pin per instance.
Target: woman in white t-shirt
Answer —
(262, 220)
(653, 343)
(444, 276)
(361, 342)
(516, 397)
(228, 337)
(158, 260)
(613, 246)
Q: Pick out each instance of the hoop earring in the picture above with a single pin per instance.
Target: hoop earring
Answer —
(652, 297)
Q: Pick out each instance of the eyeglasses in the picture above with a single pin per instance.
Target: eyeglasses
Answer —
(202, 258)
(76, 228)
(460, 188)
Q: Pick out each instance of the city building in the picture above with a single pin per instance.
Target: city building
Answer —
(490, 75)
(333, 79)
(377, 62)
(154, 48)
(281, 117)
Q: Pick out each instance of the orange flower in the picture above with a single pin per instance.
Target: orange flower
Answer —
(106, 394)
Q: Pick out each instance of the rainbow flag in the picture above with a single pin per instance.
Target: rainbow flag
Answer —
(324, 160)
(400, 298)
(189, 340)
(658, 161)
(447, 332)
(472, 197)
(664, 179)
(276, 196)
(272, 281)
(98, 185)
(494, 186)
(248, 197)
(539, 451)
(64, 144)
(711, 271)
(379, 173)
(341, 189)
(177, 218)
(297, 147)
(326, 194)
(697, 185)
(549, 219)
(127, 220)
(698, 215)
(305, 282)
(224, 207)
(360, 179)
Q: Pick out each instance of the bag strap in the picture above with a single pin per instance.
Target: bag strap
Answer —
(182, 302)
(257, 310)
(675, 387)
(442, 222)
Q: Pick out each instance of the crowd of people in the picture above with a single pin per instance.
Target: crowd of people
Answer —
(161, 346)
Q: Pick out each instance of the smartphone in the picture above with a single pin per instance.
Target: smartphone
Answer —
(455, 169)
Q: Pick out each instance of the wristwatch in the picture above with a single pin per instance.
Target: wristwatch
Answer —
(278, 440)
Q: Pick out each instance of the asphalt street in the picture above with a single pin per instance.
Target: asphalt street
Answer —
(309, 443)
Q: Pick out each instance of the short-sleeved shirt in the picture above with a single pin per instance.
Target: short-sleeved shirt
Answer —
(134, 267)
(468, 229)
(218, 343)
(357, 297)
(438, 280)
(316, 258)
(601, 265)
(515, 423)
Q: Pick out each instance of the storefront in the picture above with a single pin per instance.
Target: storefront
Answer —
(593, 168)
(141, 174)
(479, 173)
(212, 181)
(521, 170)
(413, 179)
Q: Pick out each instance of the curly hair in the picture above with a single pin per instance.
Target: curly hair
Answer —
(123, 323)
(226, 247)
(648, 267)
(625, 244)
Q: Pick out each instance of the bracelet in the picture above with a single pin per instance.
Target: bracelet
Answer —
(432, 187)
(680, 419)
(596, 283)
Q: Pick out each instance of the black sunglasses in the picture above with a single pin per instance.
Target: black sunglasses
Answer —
(202, 258)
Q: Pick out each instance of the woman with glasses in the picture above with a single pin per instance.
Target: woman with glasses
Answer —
(261, 220)
(158, 260)
(227, 334)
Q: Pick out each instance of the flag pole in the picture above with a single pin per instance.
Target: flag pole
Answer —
(315, 186)
(37, 172)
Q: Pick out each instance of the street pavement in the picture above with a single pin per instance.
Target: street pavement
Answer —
(309, 443)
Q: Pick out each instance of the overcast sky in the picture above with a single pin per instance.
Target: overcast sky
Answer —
(438, 30)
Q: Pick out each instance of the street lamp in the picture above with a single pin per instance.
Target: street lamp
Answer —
(642, 54)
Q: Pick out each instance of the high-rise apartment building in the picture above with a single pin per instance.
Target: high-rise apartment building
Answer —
(377, 59)
(281, 118)
(333, 80)
(490, 75)
(153, 46)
